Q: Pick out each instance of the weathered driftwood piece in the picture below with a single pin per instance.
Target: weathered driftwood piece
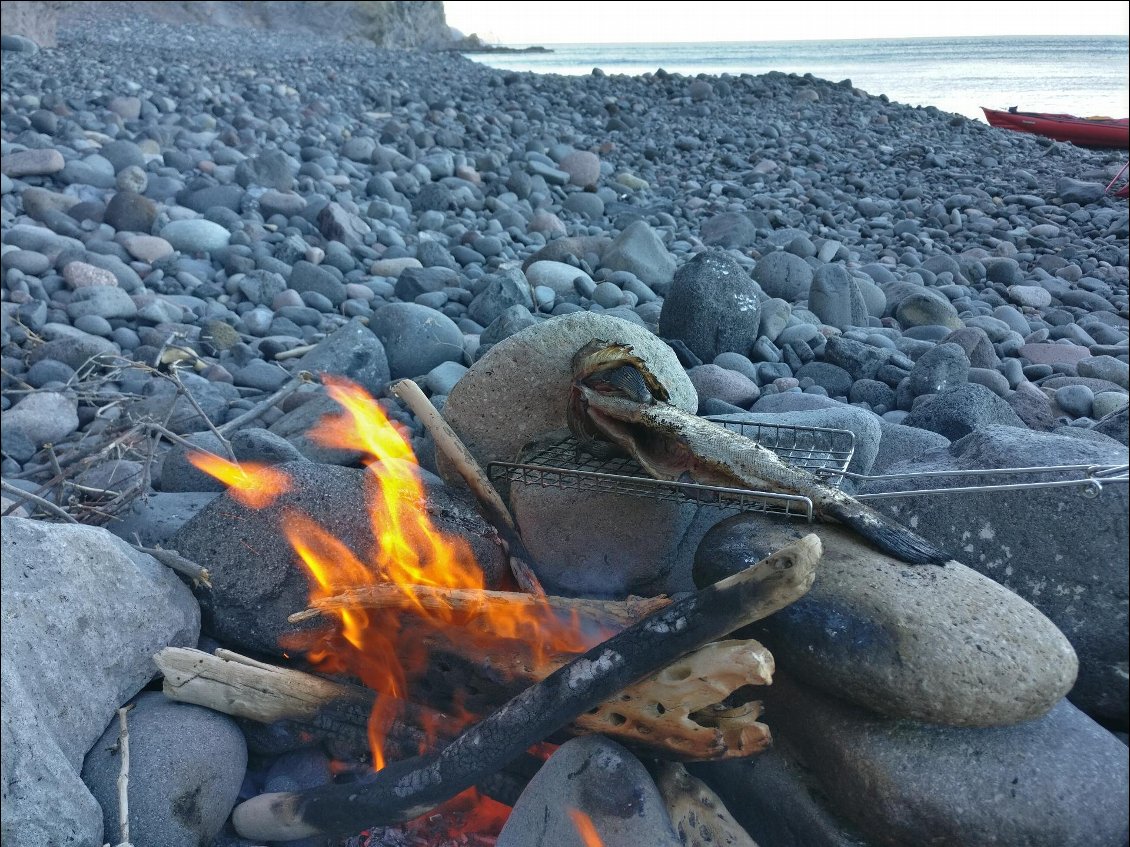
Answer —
(244, 688)
(407, 789)
(680, 709)
(473, 602)
(489, 500)
(699, 815)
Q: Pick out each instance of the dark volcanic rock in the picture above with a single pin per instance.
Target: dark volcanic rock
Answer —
(712, 307)
(253, 592)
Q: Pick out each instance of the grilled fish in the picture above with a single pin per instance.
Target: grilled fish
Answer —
(616, 400)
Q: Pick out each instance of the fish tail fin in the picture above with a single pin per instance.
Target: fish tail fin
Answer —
(888, 535)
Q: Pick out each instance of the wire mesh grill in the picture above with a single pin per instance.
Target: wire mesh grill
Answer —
(566, 465)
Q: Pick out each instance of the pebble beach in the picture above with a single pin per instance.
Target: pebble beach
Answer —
(239, 207)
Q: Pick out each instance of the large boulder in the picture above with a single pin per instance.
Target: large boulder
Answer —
(1063, 552)
(517, 393)
(939, 644)
(519, 390)
(1058, 781)
(712, 307)
(83, 614)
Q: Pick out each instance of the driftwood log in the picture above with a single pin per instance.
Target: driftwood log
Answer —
(409, 788)
(472, 602)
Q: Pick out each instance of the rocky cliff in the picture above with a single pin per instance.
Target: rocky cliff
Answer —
(404, 25)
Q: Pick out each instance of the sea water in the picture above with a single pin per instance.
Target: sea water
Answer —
(1080, 75)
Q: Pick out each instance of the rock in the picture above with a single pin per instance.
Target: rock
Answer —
(504, 289)
(442, 378)
(1075, 400)
(1065, 555)
(940, 368)
(1054, 354)
(1064, 778)
(712, 381)
(147, 248)
(128, 211)
(640, 251)
(1114, 425)
(186, 768)
(195, 236)
(66, 591)
(977, 346)
(776, 800)
(712, 306)
(306, 276)
(271, 169)
(882, 635)
(393, 267)
(901, 443)
(605, 782)
(261, 445)
(1077, 191)
(728, 230)
(184, 416)
(784, 276)
(81, 275)
(156, 517)
(582, 167)
(105, 301)
(958, 411)
(79, 351)
(413, 282)
(1029, 295)
(354, 352)
(251, 596)
(178, 474)
(32, 163)
(44, 417)
(832, 378)
(416, 338)
(1105, 367)
(835, 298)
(556, 275)
(926, 308)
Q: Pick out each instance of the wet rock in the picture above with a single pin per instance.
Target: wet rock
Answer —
(604, 781)
(66, 591)
(938, 644)
(252, 596)
(186, 768)
(1062, 552)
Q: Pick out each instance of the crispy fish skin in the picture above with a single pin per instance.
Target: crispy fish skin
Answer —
(675, 445)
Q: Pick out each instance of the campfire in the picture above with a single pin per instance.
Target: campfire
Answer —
(650, 672)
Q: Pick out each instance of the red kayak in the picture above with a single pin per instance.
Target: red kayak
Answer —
(1086, 132)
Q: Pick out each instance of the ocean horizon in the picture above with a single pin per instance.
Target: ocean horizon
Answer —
(1082, 75)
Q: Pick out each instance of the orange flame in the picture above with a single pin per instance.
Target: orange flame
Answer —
(585, 828)
(253, 484)
(385, 649)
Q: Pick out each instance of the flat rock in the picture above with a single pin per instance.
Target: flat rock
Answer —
(605, 782)
(251, 596)
(186, 767)
(1062, 552)
(944, 645)
(1058, 781)
(195, 236)
(1054, 354)
(66, 591)
(32, 163)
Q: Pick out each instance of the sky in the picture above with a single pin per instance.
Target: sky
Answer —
(609, 21)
